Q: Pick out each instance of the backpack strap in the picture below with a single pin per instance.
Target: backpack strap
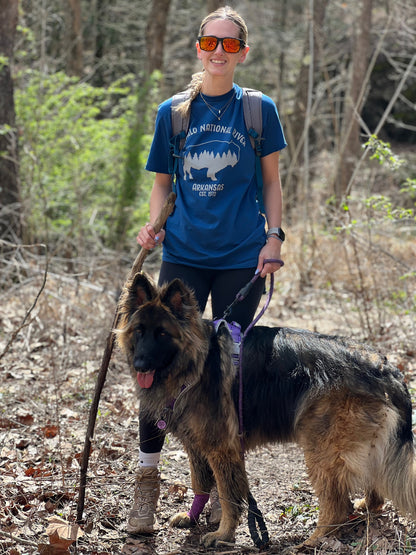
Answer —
(252, 108)
(180, 126)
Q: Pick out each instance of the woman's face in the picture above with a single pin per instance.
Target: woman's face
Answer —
(220, 63)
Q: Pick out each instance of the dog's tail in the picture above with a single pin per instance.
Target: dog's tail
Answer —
(399, 476)
(381, 445)
(394, 472)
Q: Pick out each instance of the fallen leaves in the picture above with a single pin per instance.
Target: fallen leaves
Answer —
(50, 431)
(48, 383)
(61, 536)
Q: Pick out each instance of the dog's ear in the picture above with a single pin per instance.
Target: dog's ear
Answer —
(138, 291)
(179, 298)
(142, 288)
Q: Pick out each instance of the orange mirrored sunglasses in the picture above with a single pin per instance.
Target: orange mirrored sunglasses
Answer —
(229, 44)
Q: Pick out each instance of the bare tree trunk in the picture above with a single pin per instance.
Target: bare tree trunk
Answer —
(10, 226)
(280, 17)
(297, 121)
(75, 62)
(99, 42)
(155, 34)
(349, 150)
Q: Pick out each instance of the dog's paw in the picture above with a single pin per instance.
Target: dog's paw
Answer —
(214, 538)
(305, 548)
(181, 520)
(210, 539)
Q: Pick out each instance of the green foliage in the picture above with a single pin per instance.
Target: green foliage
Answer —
(4, 62)
(381, 207)
(381, 283)
(302, 512)
(132, 179)
(409, 188)
(73, 141)
(384, 208)
(382, 152)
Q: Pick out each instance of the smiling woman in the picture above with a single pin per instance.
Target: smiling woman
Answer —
(215, 241)
(220, 48)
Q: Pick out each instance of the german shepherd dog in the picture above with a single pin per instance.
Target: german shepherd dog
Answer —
(343, 403)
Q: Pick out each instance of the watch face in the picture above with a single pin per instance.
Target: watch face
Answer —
(278, 231)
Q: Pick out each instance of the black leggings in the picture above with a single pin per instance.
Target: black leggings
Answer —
(223, 286)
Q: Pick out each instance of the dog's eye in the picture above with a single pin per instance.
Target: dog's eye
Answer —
(161, 332)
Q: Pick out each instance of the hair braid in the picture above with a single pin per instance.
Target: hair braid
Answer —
(194, 88)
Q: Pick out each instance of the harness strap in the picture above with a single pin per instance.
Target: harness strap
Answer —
(163, 422)
(235, 330)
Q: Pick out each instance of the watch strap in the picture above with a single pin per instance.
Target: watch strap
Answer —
(276, 232)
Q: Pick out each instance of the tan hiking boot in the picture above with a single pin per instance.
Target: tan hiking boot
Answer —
(216, 511)
(146, 494)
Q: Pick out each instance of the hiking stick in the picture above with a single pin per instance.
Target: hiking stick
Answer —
(167, 209)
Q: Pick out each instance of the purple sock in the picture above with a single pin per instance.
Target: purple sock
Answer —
(198, 504)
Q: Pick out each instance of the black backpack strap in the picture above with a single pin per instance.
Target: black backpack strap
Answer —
(180, 126)
(252, 102)
(179, 122)
(252, 107)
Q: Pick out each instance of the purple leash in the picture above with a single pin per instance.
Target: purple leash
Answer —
(255, 520)
(239, 297)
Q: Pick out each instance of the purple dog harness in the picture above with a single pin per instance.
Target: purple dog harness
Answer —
(235, 330)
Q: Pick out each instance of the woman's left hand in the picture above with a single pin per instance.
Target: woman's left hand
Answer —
(271, 250)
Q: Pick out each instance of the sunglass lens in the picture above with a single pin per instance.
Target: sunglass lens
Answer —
(231, 45)
(208, 43)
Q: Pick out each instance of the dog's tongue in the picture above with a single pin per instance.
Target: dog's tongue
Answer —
(145, 379)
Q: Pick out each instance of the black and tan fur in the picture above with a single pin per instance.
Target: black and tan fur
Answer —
(343, 403)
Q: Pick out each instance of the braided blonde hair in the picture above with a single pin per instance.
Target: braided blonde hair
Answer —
(195, 85)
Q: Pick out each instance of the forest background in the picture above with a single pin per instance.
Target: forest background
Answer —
(79, 86)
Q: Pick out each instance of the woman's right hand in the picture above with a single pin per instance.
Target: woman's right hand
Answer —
(148, 239)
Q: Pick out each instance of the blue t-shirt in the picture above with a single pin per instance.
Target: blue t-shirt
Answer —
(216, 222)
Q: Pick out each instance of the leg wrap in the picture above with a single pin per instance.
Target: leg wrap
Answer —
(198, 504)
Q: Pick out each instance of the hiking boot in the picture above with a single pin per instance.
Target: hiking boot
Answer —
(216, 511)
(146, 494)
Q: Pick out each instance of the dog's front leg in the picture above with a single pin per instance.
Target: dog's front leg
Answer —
(232, 484)
(202, 482)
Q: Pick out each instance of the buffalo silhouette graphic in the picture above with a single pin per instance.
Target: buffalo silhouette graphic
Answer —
(210, 156)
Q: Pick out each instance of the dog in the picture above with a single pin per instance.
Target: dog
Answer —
(342, 402)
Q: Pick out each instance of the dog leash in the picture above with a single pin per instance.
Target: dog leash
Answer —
(255, 518)
(241, 295)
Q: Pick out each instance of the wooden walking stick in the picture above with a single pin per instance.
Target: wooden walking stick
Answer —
(167, 209)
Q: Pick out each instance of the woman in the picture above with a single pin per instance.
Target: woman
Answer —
(215, 240)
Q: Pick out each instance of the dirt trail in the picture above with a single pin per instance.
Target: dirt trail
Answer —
(46, 384)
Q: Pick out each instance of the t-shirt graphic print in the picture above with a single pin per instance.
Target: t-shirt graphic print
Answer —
(207, 156)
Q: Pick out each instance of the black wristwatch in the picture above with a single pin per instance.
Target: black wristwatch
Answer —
(276, 232)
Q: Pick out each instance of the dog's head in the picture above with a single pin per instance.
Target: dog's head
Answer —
(160, 330)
